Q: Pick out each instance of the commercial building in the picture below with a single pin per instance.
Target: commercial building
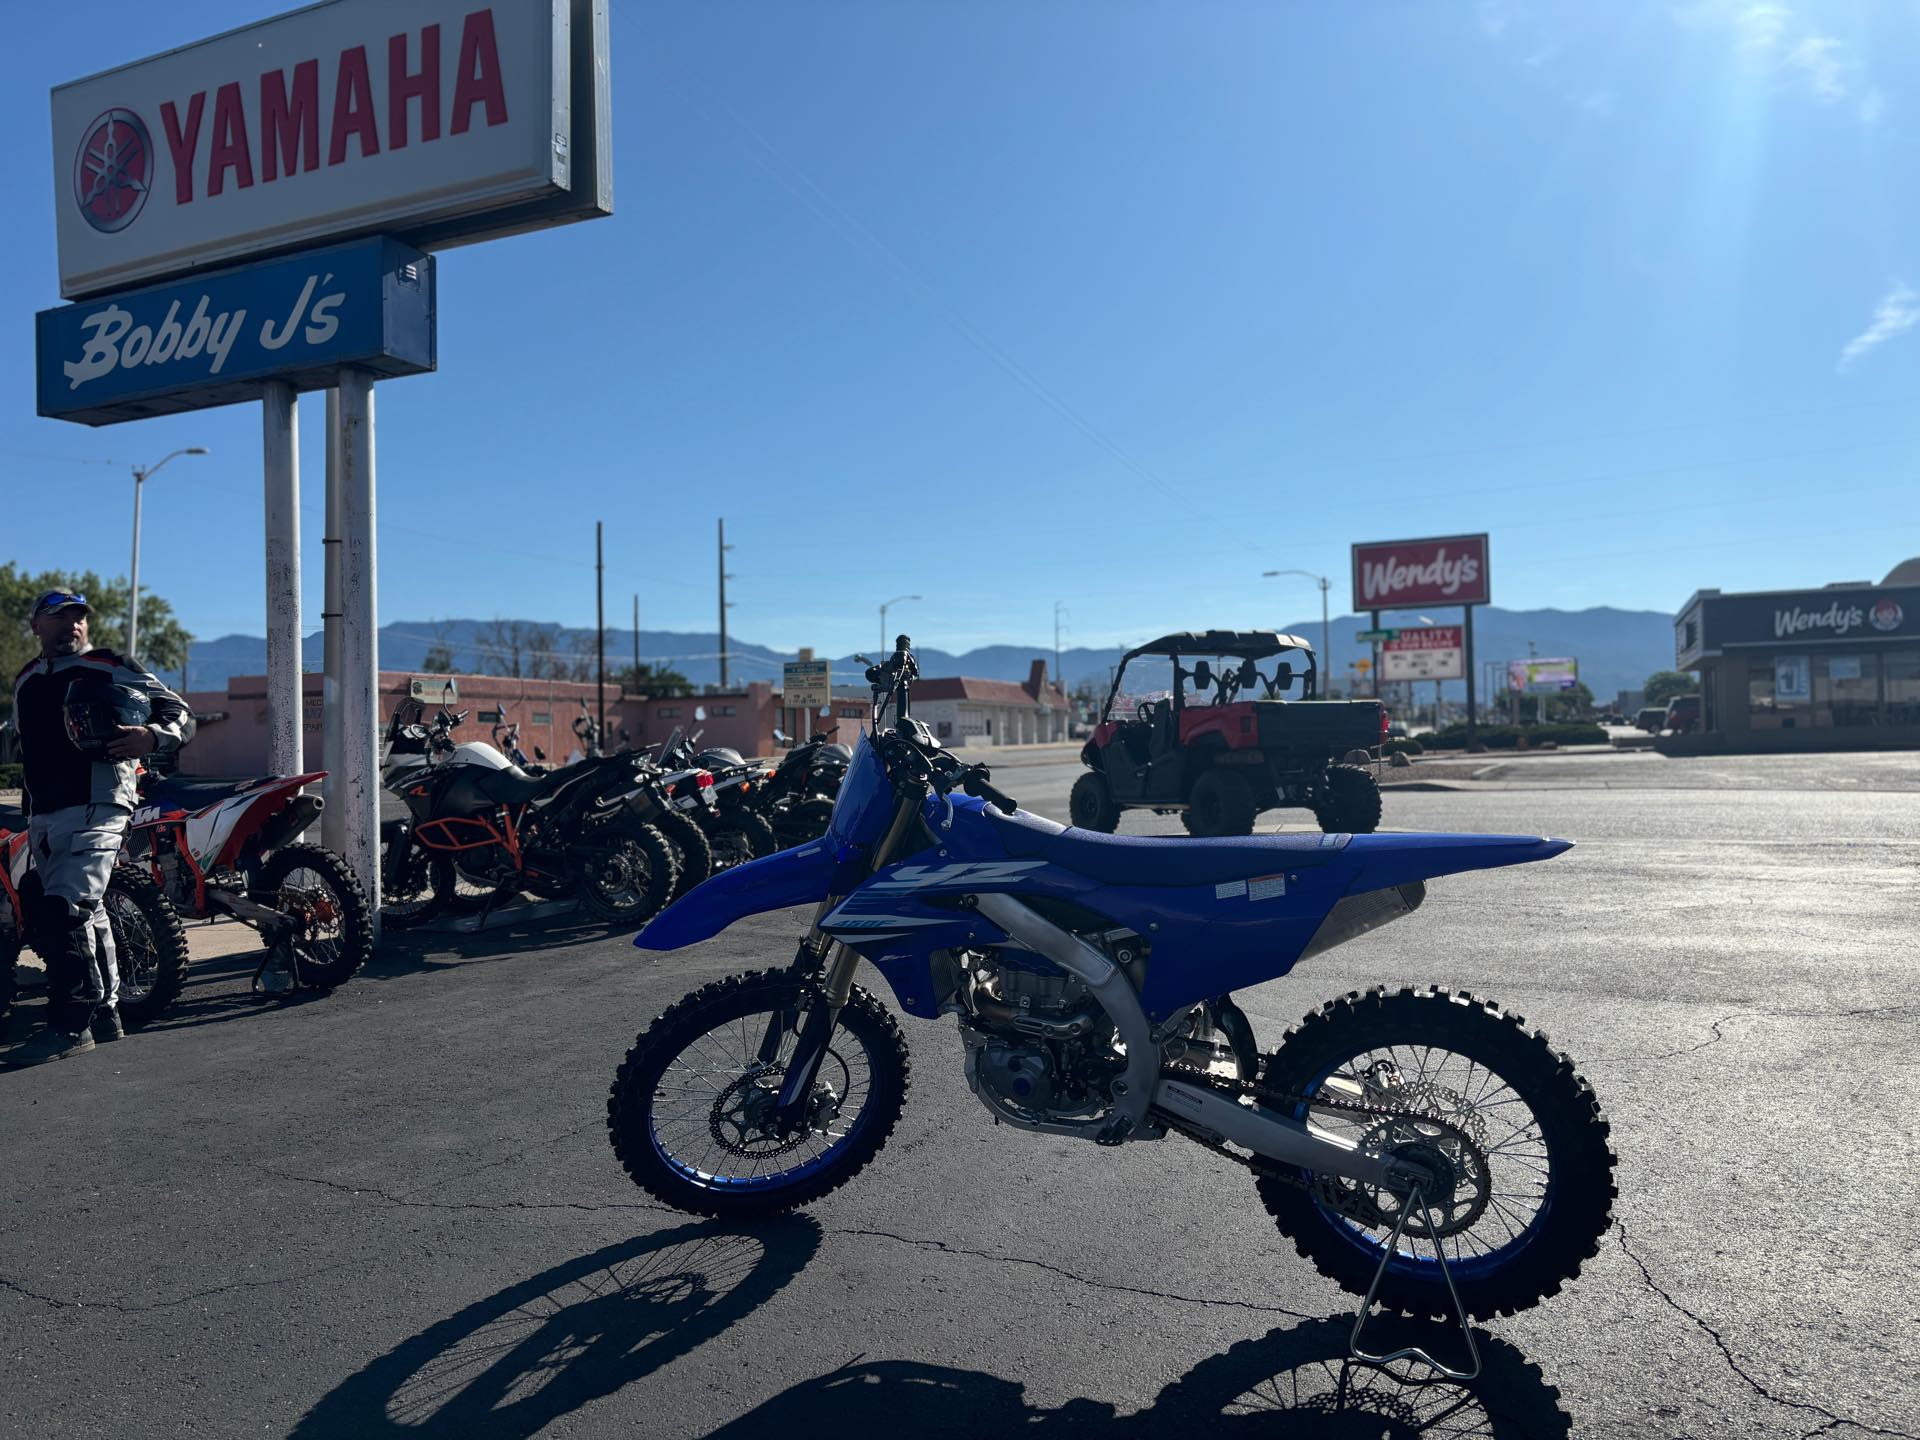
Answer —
(1836, 668)
(966, 711)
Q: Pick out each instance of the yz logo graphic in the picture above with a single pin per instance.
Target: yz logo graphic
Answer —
(966, 872)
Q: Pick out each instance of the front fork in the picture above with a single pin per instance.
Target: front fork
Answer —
(834, 963)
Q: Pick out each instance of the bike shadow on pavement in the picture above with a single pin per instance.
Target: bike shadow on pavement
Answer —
(1294, 1381)
(522, 1358)
(411, 950)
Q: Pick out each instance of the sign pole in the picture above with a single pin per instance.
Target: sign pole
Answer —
(1374, 618)
(280, 434)
(333, 819)
(1466, 664)
(360, 639)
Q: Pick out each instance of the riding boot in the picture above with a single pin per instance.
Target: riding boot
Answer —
(76, 986)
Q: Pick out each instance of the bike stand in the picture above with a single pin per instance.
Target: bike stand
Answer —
(1414, 1353)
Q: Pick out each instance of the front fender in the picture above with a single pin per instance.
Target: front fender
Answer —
(798, 876)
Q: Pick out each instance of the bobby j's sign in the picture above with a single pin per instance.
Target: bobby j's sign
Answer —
(210, 341)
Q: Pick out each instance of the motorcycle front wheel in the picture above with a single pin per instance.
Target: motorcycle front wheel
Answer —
(1517, 1140)
(624, 871)
(407, 892)
(149, 943)
(690, 1111)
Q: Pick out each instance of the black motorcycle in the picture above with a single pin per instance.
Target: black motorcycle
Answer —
(797, 797)
(476, 820)
(736, 829)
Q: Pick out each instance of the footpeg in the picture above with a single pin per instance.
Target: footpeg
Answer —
(1115, 1131)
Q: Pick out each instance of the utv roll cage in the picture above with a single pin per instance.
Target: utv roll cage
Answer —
(1248, 646)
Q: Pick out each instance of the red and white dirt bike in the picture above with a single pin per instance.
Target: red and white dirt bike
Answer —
(219, 847)
(149, 945)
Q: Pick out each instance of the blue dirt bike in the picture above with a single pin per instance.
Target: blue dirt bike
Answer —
(1418, 1146)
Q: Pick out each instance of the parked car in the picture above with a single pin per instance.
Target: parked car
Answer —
(1682, 715)
(1651, 719)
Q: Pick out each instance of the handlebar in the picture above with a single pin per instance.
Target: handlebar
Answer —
(975, 784)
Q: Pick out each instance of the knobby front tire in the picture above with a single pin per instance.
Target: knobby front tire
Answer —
(659, 1120)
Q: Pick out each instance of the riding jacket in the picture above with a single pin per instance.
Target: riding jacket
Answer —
(56, 774)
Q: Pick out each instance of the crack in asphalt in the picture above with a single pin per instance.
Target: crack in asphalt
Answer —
(1833, 1421)
(1714, 1039)
(519, 1154)
(124, 1308)
(925, 1243)
(408, 1203)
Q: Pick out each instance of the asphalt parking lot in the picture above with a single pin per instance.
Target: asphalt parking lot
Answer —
(392, 1211)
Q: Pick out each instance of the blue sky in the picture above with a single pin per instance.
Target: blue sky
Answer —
(1117, 304)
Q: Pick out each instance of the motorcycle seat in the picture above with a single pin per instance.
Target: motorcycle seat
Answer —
(1159, 860)
(174, 793)
(512, 785)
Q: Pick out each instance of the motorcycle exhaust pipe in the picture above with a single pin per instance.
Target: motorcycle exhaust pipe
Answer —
(290, 822)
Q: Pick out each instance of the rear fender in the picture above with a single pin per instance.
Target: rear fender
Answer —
(1378, 861)
(800, 876)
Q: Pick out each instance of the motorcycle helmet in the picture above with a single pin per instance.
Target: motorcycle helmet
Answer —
(96, 708)
(837, 751)
(720, 757)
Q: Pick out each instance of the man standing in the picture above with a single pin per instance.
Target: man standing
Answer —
(85, 719)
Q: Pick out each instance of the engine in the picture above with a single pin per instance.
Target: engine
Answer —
(1039, 1046)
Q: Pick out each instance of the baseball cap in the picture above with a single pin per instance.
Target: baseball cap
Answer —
(58, 600)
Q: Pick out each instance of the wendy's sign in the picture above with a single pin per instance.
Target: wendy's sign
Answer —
(1403, 574)
(434, 120)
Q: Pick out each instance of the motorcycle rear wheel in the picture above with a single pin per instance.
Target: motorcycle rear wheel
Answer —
(335, 934)
(1538, 1195)
(679, 1114)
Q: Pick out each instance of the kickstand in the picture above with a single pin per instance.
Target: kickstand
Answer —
(267, 956)
(1414, 1353)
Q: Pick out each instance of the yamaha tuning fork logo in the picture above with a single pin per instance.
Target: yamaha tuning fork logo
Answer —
(113, 171)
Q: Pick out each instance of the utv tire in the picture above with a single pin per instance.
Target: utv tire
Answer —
(1090, 805)
(692, 852)
(150, 946)
(321, 964)
(1221, 804)
(1580, 1190)
(1350, 802)
(641, 864)
(719, 1009)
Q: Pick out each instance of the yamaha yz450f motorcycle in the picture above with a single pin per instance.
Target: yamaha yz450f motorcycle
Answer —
(222, 848)
(1419, 1146)
(150, 947)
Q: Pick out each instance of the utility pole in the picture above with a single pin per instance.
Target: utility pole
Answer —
(600, 623)
(636, 644)
(724, 577)
(1058, 607)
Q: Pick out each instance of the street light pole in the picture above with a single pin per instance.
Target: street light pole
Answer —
(885, 643)
(1059, 608)
(140, 474)
(1326, 625)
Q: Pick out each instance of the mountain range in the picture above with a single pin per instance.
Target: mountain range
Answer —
(1617, 650)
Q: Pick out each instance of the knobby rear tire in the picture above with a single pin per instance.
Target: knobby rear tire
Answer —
(757, 993)
(356, 928)
(1580, 1160)
(742, 830)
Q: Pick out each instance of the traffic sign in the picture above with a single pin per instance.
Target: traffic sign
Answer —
(1370, 636)
(807, 684)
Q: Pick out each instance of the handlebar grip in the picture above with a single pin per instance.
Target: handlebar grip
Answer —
(977, 787)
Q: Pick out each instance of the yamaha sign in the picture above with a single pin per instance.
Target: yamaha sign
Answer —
(437, 121)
